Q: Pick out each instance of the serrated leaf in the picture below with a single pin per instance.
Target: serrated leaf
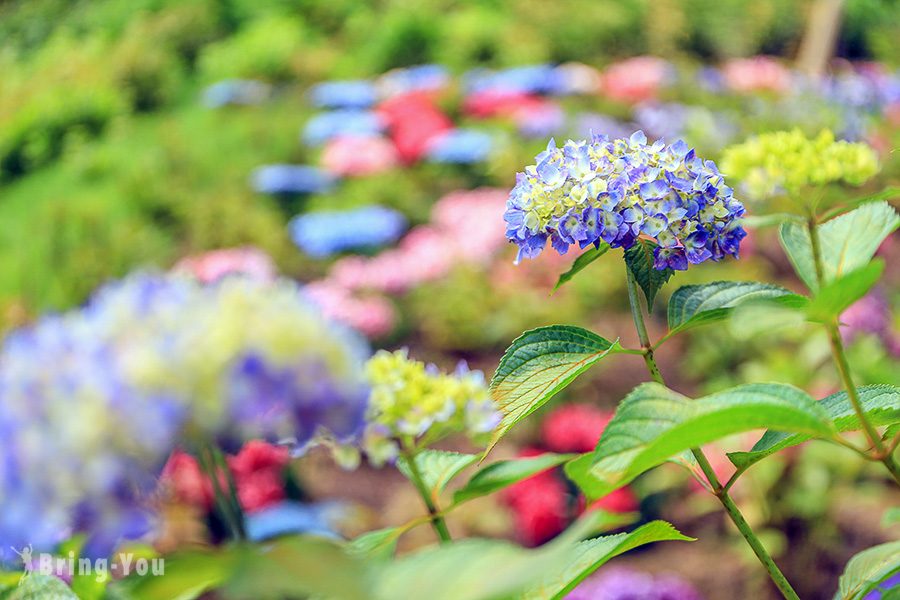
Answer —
(592, 554)
(867, 569)
(583, 260)
(694, 305)
(537, 365)
(654, 423)
(835, 297)
(881, 404)
(847, 242)
(639, 260)
(504, 473)
(437, 467)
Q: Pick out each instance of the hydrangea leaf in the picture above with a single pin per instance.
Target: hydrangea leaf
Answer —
(537, 365)
(437, 467)
(639, 259)
(881, 404)
(694, 305)
(504, 473)
(847, 242)
(481, 569)
(380, 543)
(866, 570)
(592, 554)
(583, 260)
(835, 297)
(654, 423)
(41, 587)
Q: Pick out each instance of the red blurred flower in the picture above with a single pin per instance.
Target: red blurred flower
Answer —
(621, 500)
(492, 103)
(413, 121)
(635, 79)
(258, 471)
(183, 478)
(574, 428)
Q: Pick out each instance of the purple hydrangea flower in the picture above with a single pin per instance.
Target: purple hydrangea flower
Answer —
(625, 584)
(618, 190)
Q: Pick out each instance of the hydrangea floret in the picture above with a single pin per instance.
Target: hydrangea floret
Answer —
(615, 191)
(785, 162)
(413, 404)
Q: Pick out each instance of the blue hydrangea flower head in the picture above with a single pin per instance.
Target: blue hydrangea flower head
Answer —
(325, 233)
(461, 146)
(618, 190)
(343, 94)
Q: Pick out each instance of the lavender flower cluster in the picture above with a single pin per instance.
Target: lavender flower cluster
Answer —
(614, 191)
(323, 234)
(95, 400)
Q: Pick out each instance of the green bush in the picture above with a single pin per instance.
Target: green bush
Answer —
(265, 49)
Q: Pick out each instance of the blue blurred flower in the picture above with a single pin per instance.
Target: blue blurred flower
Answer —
(289, 517)
(96, 399)
(322, 234)
(532, 79)
(461, 146)
(413, 79)
(343, 94)
(292, 179)
(235, 92)
(587, 124)
(327, 125)
(616, 190)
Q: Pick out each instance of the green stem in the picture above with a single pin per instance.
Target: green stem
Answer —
(222, 501)
(437, 521)
(720, 492)
(839, 356)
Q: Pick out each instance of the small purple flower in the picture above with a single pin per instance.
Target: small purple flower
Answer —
(670, 258)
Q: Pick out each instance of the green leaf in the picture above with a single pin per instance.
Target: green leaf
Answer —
(881, 404)
(437, 467)
(654, 423)
(480, 569)
(694, 305)
(41, 587)
(885, 194)
(583, 260)
(378, 544)
(504, 473)
(835, 297)
(537, 365)
(189, 574)
(592, 554)
(867, 569)
(639, 259)
(891, 517)
(847, 242)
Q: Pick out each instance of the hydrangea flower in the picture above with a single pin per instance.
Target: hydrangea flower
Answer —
(420, 78)
(614, 191)
(325, 233)
(460, 146)
(785, 162)
(239, 92)
(348, 122)
(355, 156)
(343, 94)
(292, 179)
(96, 399)
(412, 402)
(619, 583)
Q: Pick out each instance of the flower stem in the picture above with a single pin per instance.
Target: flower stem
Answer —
(839, 356)
(719, 491)
(437, 521)
(226, 504)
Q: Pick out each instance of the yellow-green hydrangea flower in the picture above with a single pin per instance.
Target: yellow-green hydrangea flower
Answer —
(786, 162)
(414, 403)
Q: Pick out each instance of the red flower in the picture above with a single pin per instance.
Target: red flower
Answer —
(493, 103)
(621, 500)
(413, 121)
(258, 471)
(540, 505)
(182, 477)
(574, 428)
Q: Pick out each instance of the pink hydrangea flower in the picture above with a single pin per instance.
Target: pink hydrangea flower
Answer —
(354, 156)
(216, 264)
(636, 79)
(757, 74)
(373, 316)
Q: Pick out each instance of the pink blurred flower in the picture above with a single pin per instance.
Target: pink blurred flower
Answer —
(373, 316)
(212, 266)
(760, 73)
(494, 103)
(353, 156)
(636, 79)
(580, 78)
(185, 481)
(258, 471)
